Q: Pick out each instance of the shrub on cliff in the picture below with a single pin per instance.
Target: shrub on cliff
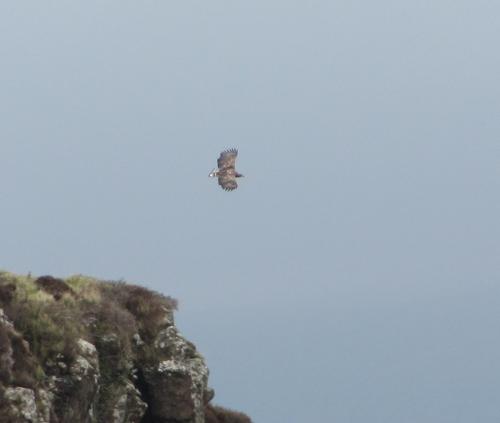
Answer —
(216, 414)
(148, 307)
(51, 327)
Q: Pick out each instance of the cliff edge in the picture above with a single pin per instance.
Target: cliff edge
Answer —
(82, 350)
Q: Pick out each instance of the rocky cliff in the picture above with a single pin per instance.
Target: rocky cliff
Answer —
(82, 350)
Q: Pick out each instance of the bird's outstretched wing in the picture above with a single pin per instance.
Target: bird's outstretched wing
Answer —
(228, 181)
(227, 159)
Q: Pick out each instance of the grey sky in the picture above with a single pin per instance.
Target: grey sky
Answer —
(354, 275)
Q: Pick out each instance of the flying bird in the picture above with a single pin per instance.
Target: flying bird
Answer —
(225, 171)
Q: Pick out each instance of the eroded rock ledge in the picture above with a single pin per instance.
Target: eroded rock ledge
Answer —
(83, 350)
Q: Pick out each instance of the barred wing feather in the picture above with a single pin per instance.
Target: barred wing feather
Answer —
(228, 181)
(227, 159)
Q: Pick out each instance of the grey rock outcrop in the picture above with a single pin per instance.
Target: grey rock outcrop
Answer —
(23, 404)
(177, 380)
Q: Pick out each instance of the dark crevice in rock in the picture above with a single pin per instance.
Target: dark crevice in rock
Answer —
(142, 386)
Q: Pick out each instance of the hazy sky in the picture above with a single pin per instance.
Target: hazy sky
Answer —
(354, 276)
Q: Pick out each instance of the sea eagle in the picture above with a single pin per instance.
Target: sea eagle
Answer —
(225, 171)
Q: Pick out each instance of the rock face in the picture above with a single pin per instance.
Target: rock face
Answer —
(81, 350)
(177, 382)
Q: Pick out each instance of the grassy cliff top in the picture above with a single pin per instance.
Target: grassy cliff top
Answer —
(52, 314)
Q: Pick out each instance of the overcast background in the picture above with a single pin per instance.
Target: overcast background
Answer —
(354, 275)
